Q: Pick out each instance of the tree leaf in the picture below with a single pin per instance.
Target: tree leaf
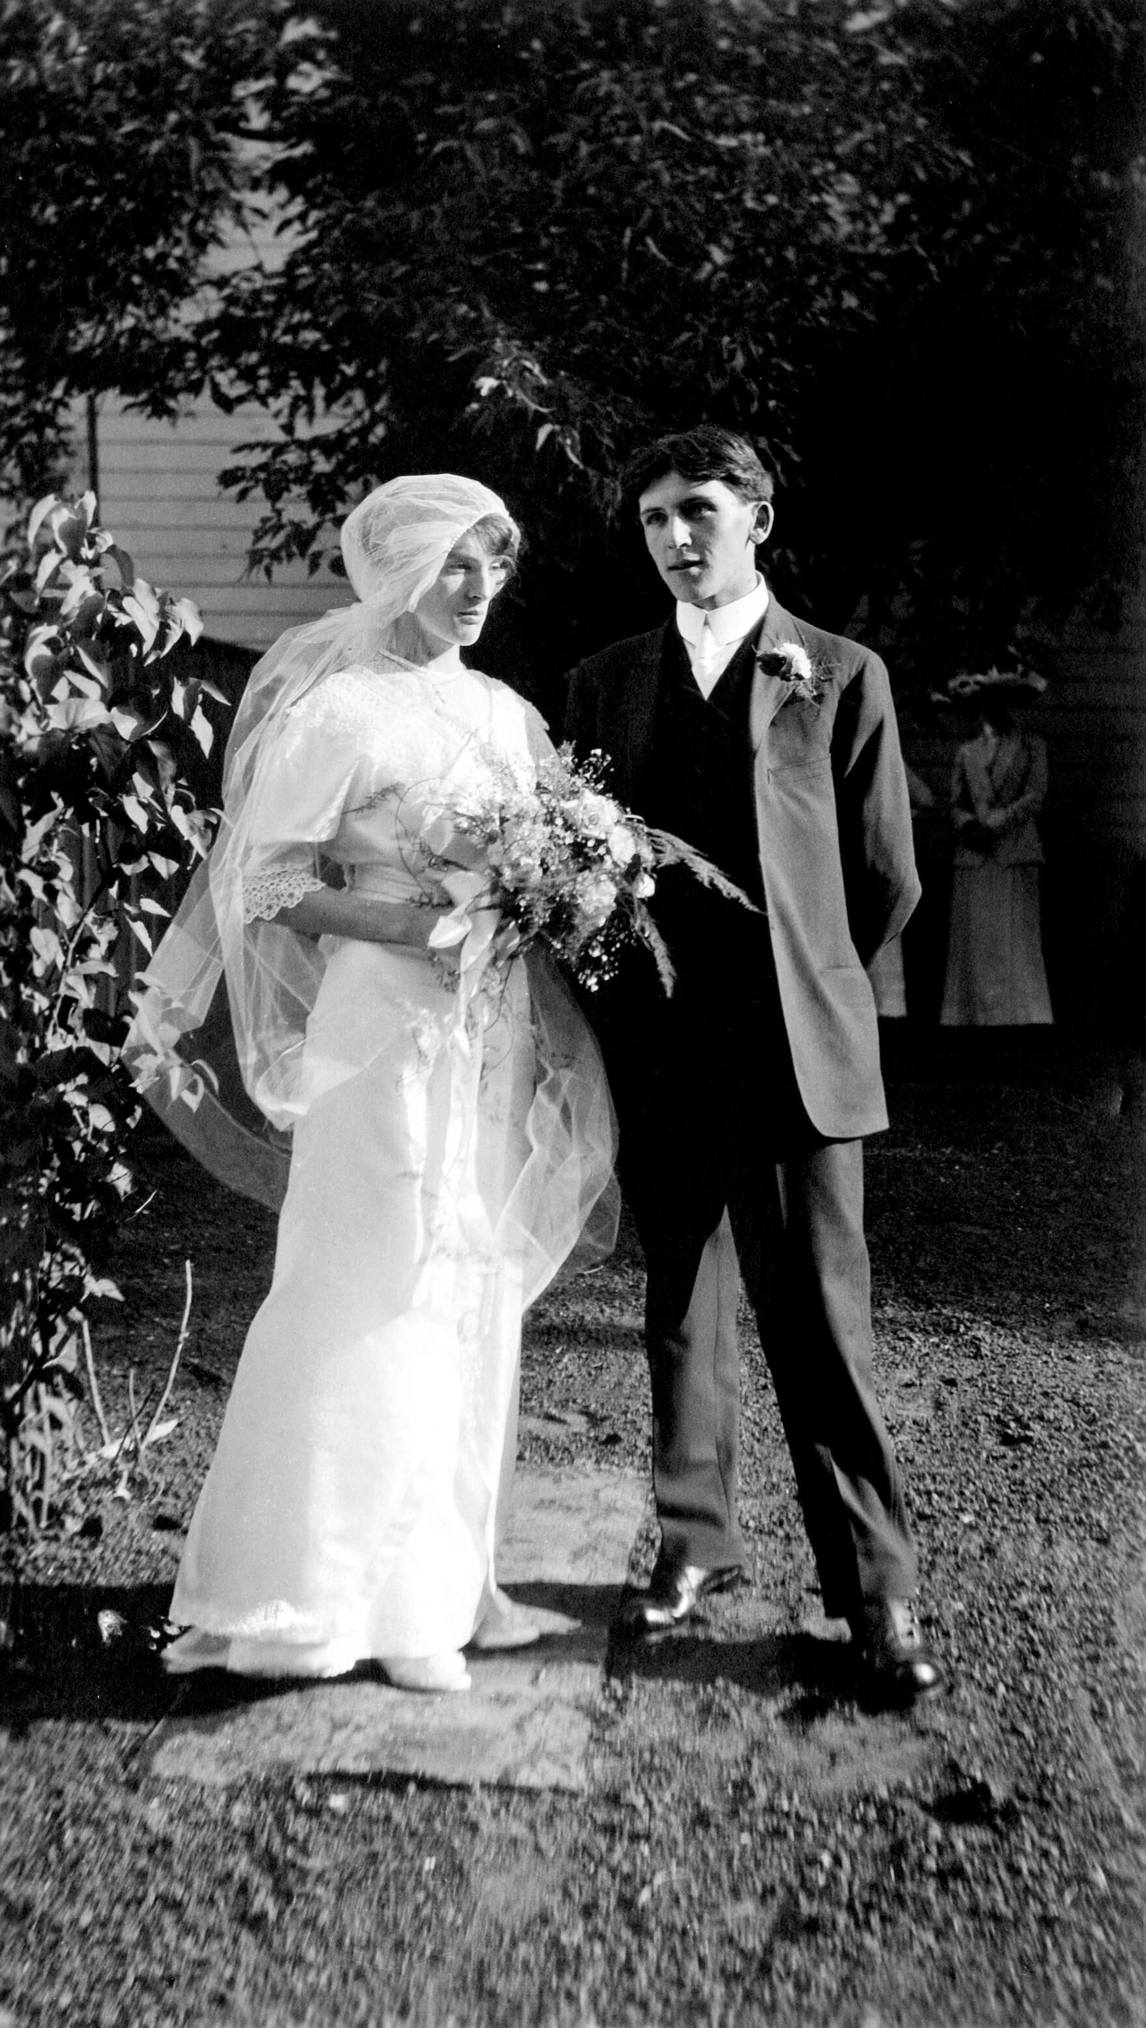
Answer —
(135, 811)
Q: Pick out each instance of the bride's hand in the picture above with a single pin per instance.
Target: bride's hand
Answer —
(413, 923)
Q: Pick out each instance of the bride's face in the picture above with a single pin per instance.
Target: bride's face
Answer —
(452, 613)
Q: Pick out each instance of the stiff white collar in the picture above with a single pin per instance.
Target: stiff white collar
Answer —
(726, 624)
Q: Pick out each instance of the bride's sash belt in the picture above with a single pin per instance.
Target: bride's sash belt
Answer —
(467, 930)
(387, 883)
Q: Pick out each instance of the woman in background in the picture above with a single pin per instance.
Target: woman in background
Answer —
(996, 976)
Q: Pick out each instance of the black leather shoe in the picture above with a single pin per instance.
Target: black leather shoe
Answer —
(896, 1662)
(675, 1590)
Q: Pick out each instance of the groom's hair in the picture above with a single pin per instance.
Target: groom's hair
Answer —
(707, 452)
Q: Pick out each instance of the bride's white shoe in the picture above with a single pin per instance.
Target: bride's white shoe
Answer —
(444, 1671)
(194, 1650)
(504, 1625)
(273, 1660)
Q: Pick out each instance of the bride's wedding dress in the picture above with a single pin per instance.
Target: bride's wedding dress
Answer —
(446, 1146)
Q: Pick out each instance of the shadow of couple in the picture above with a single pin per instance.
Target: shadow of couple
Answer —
(92, 1653)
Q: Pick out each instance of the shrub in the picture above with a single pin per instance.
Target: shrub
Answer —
(97, 824)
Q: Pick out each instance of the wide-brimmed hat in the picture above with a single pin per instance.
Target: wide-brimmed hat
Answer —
(1018, 683)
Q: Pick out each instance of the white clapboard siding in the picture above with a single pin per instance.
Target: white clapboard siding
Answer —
(159, 495)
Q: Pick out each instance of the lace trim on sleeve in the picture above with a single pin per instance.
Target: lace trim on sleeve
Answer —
(264, 894)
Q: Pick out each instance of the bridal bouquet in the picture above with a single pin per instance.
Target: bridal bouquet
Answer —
(559, 863)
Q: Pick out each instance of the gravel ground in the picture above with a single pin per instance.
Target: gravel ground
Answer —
(756, 1848)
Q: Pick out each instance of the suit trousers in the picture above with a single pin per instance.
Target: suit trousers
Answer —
(725, 1182)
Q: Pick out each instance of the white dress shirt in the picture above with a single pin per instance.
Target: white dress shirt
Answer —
(712, 638)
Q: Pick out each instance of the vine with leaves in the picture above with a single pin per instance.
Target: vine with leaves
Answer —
(98, 823)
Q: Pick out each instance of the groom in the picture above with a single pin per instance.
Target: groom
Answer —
(770, 746)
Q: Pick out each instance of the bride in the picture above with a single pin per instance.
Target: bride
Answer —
(449, 1126)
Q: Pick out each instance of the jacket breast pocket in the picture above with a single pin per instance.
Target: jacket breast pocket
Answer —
(801, 787)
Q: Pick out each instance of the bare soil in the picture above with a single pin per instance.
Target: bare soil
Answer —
(756, 1847)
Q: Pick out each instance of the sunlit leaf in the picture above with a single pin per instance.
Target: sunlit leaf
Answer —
(46, 945)
(128, 722)
(93, 662)
(144, 615)
(191, 620)
(39, 514)
(41, 653)
(75, 714)
(83, 600)
(47, 568)
(203, 729)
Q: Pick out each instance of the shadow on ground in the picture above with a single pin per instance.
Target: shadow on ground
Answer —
(770, 1666)
(91, 1652)
(86, 1652)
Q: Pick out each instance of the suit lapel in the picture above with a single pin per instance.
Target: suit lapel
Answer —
(634, 704)
(768, 691)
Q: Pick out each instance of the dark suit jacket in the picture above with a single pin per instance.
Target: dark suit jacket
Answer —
(834, 828)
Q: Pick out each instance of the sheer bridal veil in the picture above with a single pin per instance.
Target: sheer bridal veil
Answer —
(179, 1048)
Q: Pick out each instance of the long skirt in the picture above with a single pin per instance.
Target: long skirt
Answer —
(438, 1178)
(996, 977)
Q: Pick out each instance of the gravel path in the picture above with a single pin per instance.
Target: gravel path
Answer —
(754, 1848)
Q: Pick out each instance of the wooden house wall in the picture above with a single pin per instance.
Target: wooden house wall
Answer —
(159, 493)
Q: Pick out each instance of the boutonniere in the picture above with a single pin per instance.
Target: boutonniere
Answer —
(793, 665)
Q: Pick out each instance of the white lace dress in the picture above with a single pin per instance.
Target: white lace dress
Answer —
(446, 1147)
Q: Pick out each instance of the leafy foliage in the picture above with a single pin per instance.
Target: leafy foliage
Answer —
(902, 242)
(94, 826)
(126, 137)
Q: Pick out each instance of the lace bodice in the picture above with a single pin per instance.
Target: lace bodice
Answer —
(358, 764)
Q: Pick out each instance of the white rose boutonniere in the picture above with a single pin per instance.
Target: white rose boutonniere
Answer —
(791, 662)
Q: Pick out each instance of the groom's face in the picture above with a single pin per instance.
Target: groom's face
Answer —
(702, 537)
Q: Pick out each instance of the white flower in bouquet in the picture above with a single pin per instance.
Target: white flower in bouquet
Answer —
(596, 815)
(521, 864)
(596, 898)
(622, 844)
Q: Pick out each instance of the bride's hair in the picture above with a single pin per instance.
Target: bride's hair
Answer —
(499, 536)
